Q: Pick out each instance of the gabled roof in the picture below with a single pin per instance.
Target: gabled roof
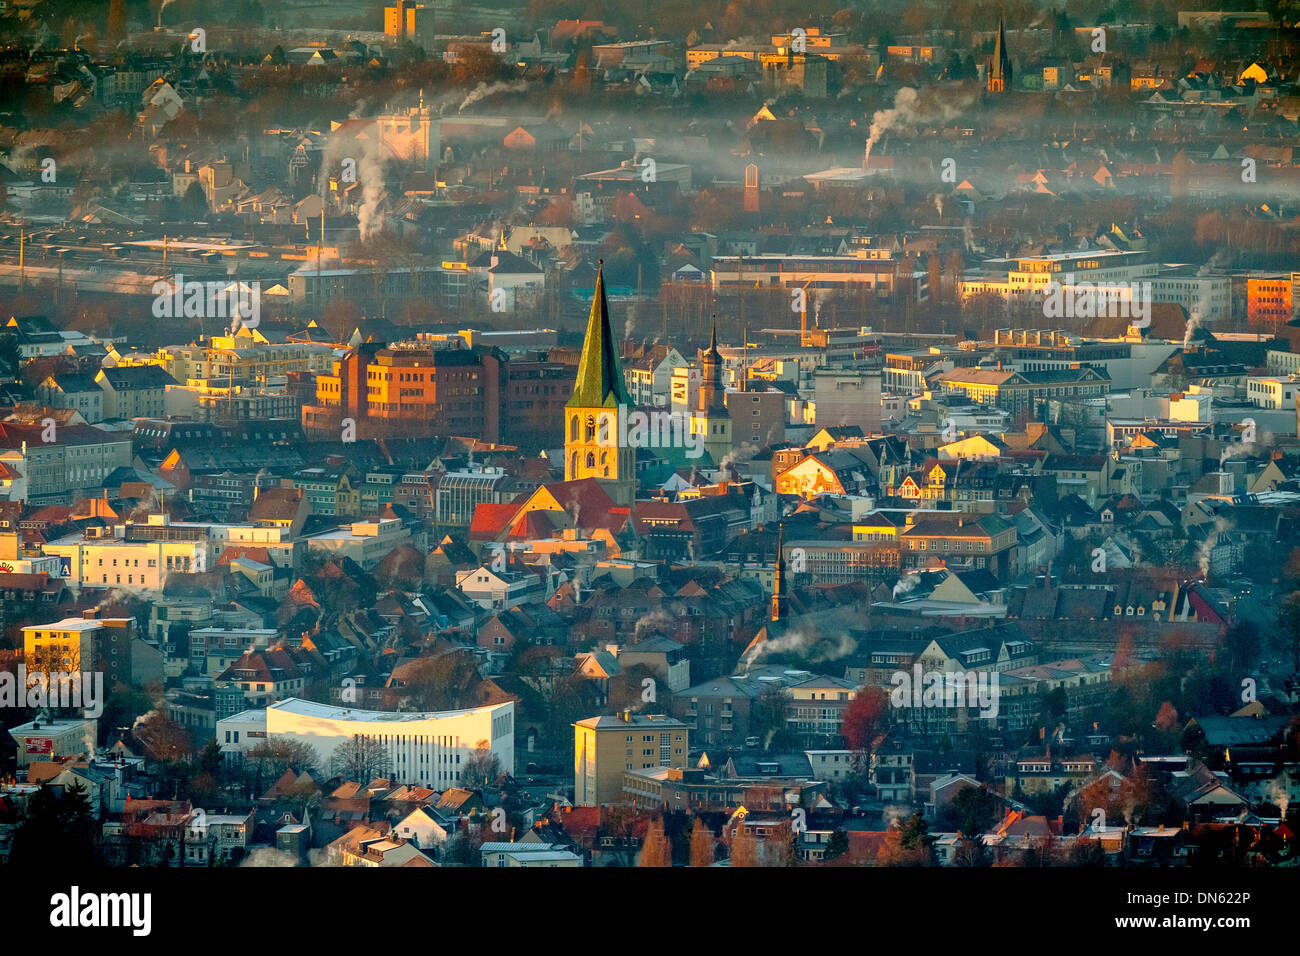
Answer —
(276, 504)
(491, 519)
(127, 377)
(74, 382)
(507, 263)
(455, 798)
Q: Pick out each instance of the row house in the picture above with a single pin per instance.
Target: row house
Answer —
(958, 481)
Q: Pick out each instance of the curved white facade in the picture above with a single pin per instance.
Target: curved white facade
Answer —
(428, 749)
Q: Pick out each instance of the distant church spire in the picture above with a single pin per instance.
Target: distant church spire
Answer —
(999, 69)
(712, 396)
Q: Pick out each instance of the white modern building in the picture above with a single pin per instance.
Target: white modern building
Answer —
(1282, 362)
(138, 556)
(129, 565)
(427, 749)
(49, 739)
(1271, 391)
(498, 590)
(1206, 296)
(976, 419)
(365, 542)
(1026, 278)
(532, 855)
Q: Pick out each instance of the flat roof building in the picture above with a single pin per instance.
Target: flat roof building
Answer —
(427, 749)
(606, 747)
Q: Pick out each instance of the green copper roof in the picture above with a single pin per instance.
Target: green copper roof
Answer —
(600, 375)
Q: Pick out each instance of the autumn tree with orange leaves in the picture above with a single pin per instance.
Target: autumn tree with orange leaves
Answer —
(701, 844)
(656, 850)
(744, 847)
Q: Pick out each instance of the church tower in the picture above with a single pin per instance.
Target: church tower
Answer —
(999, 68)
(592, 437)
(710, 417)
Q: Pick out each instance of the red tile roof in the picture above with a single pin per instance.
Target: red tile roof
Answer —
(240, 551)
(490, 520)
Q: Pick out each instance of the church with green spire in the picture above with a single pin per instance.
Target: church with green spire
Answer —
(592, 445)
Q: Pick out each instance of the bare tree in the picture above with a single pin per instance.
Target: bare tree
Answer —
(268, 761)
(360, 759)
(163, 739)
(481, 769)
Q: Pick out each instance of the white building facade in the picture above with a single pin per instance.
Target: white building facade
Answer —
(426, 749)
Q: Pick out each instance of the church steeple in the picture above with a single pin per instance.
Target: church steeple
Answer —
(712, 398)
(778, 585)
(999, 68)
(710, 418)
(600, 373)
(593, 440)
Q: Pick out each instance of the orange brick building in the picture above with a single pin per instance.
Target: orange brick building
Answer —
(390, 391)
(1268, 300)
